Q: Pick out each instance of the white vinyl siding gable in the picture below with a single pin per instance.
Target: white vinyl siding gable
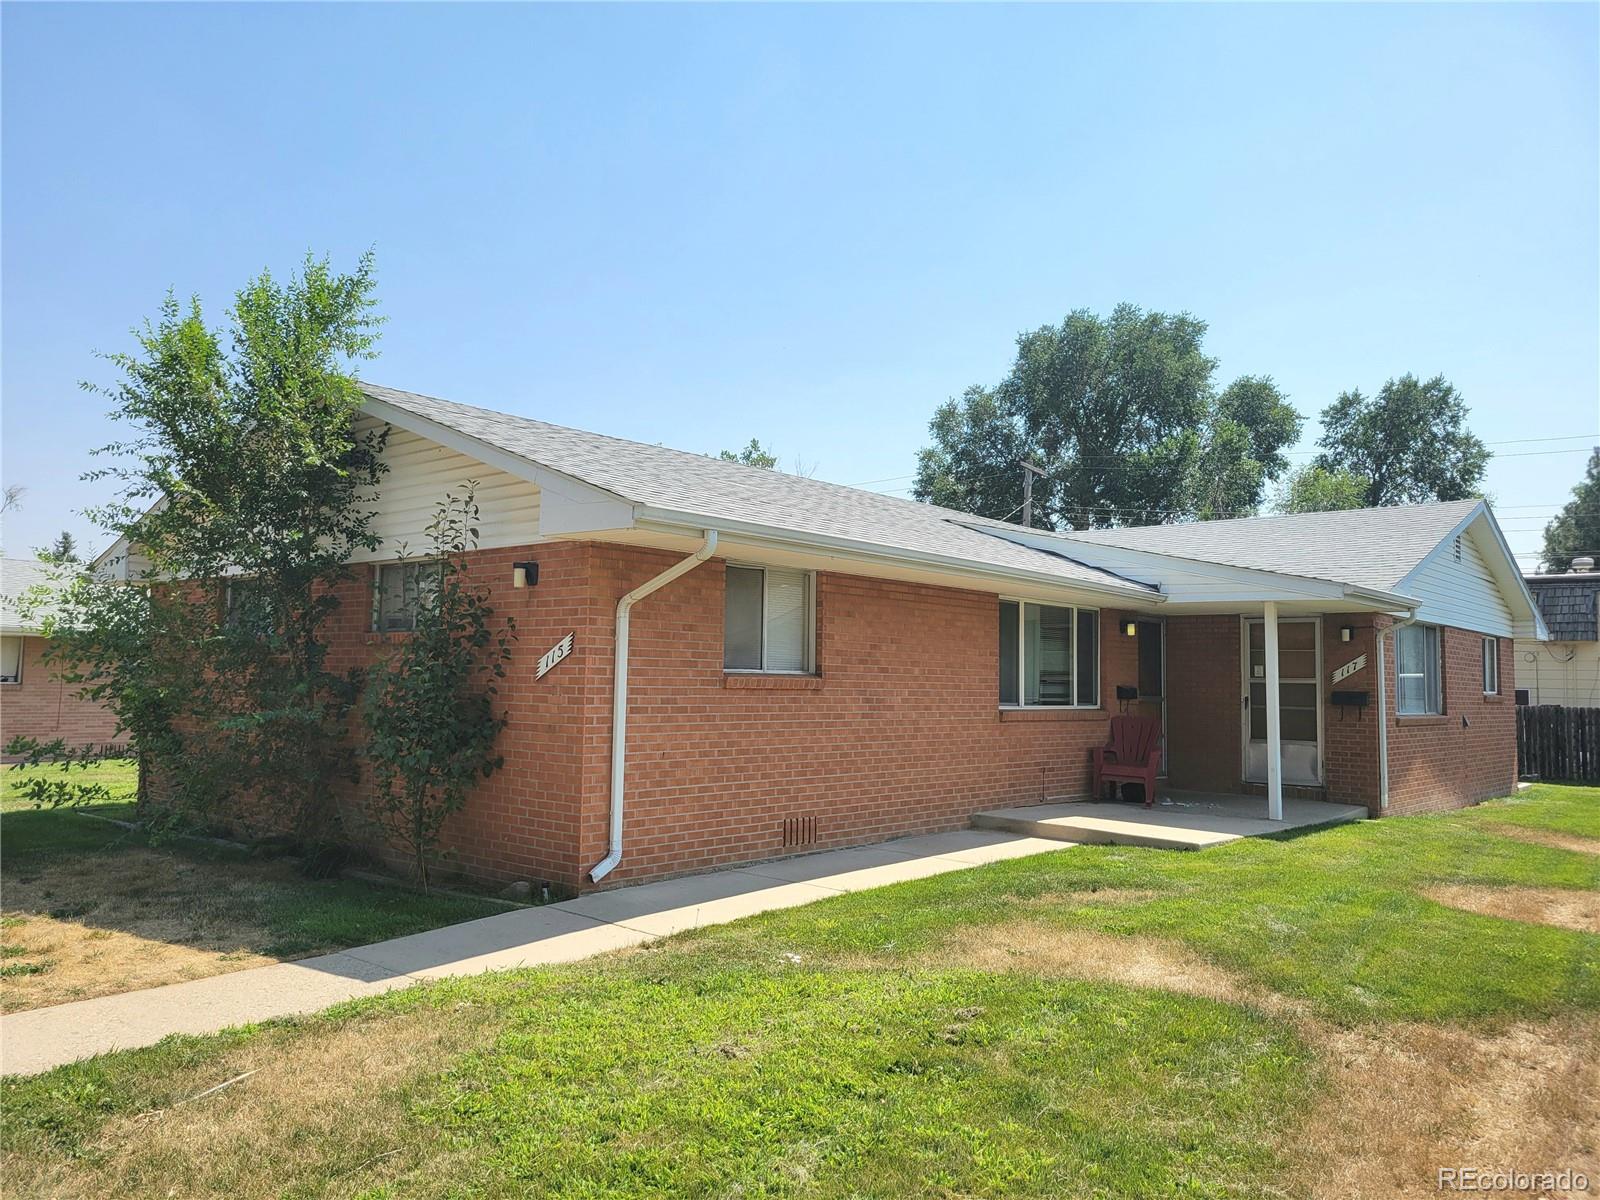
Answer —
(421, 473)
(1462, 593)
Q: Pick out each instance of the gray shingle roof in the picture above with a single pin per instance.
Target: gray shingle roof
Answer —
(698, 485)
(1368, 547)
(19, 576)
(1568, 604)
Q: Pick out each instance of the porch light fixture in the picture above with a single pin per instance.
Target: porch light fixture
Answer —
(1346, 632)
(524, 574)
(1131, 628)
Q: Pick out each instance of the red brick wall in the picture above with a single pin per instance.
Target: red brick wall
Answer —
(1436, 763)
(1469, 753)
(899, 733)
(42, 706)
(1350, 737)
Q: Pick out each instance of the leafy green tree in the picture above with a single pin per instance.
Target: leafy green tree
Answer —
(63, 550)
(1410, 442)
(430, 716)
(1575, 530)
(246, 475)
(1122, 415)
(753, 455)
(1311, 488)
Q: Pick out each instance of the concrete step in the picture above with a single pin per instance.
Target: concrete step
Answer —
(1093, 829)
(1179, 821)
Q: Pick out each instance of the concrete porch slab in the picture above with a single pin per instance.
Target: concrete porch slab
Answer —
(1179, 820)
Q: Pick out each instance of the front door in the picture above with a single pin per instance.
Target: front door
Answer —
(1299, 700)
(1153, 676)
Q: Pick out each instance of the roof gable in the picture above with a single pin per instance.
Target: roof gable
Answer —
(696, 489)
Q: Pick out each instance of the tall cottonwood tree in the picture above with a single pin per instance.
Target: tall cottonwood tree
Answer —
(1122, 415)
(1575, 530)
(247, 489)
(1410, 442)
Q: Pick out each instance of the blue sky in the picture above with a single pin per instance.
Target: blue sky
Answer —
(695, 225)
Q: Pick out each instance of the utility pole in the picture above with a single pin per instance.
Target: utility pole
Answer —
(1028, 472)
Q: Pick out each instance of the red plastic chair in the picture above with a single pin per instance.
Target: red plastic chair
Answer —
(1133, 755)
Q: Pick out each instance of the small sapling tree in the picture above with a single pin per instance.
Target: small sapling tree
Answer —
(430, 708)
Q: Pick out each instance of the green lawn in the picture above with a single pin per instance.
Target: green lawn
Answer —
(91, 907)
(1307, 999)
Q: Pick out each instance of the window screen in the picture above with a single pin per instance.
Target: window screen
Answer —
(1049, 655)
(767, 620)
(1416, 652)
(403, 590)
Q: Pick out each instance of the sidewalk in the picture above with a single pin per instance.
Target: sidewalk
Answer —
(42, 1038)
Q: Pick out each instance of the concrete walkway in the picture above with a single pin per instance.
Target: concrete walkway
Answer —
(42, 1038)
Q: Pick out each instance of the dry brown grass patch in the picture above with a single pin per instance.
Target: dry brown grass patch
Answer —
(1400, 1101)
(1545, 837)
(1039, 948)
(1568, 908)
(1405, 1100)
(107, 923)
(325, 1115)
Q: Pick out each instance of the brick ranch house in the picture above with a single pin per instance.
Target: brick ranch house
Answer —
(720, 664)
(34, 701)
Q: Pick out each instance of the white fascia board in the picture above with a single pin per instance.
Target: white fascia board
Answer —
(567, 504)
(1506, 572)
(667, 521)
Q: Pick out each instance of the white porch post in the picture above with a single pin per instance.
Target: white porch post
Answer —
(1269, 626)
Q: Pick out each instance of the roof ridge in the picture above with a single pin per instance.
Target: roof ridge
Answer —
(953, 514)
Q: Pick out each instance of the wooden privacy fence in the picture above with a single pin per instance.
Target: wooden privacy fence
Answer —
(1555, 742)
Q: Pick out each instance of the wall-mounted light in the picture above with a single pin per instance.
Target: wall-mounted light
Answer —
(524, 574)
(1131, 628)
(1346, 632)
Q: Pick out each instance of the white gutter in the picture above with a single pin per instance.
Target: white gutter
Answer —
(1383, 713)
(665, 521)
(619, 694)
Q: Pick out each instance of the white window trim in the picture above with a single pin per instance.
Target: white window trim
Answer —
(376, 623)
(1435, 693)
(808, 650)
(1491, 659)
(1022, 656)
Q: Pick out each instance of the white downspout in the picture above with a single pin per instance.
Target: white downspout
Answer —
(1383, 711)
(619, 695)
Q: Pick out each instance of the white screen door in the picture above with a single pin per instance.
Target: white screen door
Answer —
(1299, 699)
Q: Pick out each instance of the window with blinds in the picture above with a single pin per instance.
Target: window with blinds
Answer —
(768, 622)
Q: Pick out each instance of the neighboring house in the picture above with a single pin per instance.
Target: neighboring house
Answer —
(34, 702)
(1566, 669)
(796, 664)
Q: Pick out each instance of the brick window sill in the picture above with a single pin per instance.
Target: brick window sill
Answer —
(1008, 715)
(773, 683)
(381, 639)
(1424, 719)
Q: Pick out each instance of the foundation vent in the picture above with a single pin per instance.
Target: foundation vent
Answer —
(799, 831)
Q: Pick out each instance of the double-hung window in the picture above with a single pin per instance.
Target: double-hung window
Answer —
(249, 609)
(10, 660)
(1049, 655)
(1416, 656)
(1491, 666)
(769, 622)
(402, 591)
